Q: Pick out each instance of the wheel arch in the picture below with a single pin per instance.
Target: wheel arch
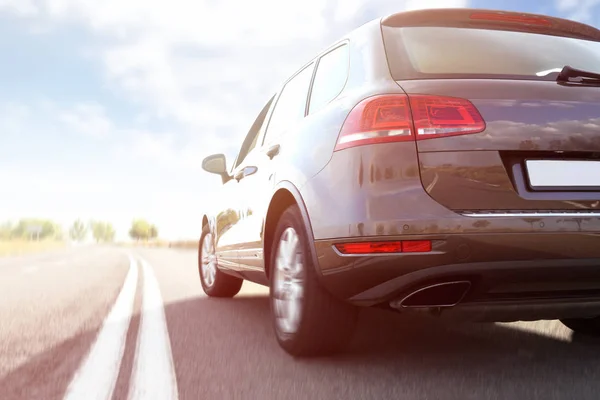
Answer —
(285, 195)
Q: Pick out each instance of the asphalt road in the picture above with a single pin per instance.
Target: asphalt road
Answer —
(84, 323)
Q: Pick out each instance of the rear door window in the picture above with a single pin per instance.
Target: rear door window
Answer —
(255, 132)
(330, 78)
(433, 52)
(291, 105)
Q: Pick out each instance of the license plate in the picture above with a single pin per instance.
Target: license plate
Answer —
(563, 174)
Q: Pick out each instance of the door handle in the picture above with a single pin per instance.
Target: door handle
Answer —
(239, 175)
(273, 150)
(244, 172)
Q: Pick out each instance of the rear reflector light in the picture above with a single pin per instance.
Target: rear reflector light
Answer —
(406, 246)
(416, 246)
(369, 247)
(396, 118)
(515, 18)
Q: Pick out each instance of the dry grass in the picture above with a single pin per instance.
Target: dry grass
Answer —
(190, 244)
(17, 247)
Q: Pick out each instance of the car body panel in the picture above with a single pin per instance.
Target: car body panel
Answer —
(222, 227)
(252, 192)
(519, 115)
(467, 194)
(509, 263)
(524, 119)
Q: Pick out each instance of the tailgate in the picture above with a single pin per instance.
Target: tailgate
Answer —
(540, 149)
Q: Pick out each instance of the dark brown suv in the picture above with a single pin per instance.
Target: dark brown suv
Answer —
(442, 160)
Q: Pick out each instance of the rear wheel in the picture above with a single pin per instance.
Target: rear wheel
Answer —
(214, 282)
(308, 320)
(585, 326)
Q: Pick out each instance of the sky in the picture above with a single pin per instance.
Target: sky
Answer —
(107, 108)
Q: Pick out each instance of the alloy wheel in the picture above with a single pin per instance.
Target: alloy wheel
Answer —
(288, 282)
(209, 261)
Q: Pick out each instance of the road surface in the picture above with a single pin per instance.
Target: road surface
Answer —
(98, 323)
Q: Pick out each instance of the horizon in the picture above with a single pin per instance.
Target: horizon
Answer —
(108, 108)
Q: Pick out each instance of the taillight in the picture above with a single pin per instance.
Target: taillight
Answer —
(436, 116)
(378, 119)
(405, 246)
(396, 118)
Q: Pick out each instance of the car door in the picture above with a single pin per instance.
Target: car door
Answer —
(233, 208)
(226, 216)
(256, 171)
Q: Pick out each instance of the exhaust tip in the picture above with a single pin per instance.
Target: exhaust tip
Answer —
(445, 294)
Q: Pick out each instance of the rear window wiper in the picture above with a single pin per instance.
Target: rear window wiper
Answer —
(571, 75)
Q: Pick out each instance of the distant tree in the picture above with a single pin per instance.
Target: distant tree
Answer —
(109, 233)
(36, 228)
(142, 230)
(6, 230)
(78, 231)
(102, 231)
(153, 232)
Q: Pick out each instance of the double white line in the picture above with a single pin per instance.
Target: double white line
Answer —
(153, 374)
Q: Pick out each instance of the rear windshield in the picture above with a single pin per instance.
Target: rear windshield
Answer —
(432, 52)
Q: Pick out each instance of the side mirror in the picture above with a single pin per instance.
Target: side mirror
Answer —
(216, 164)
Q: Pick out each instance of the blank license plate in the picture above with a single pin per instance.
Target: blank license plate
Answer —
(561, 174)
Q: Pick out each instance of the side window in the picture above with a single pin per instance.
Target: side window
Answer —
(330, 78)
(291, 105)
(253, 134)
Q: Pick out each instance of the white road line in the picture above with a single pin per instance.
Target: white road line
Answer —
(153, 374)
(97, 376)
(432, 184)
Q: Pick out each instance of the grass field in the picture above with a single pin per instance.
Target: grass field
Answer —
(16, 247)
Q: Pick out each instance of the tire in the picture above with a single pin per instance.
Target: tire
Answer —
(218, 284)
(323, 324)
(584, 326)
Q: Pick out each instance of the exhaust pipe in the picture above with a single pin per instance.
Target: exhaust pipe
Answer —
(445, 294)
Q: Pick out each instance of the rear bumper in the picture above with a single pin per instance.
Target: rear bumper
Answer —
(504, 269)
(521, 256)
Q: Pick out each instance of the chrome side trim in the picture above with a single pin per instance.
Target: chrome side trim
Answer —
(593, 214)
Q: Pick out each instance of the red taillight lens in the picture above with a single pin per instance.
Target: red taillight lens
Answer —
(436, 116)
(389, 118)
(407, 246)
(378, 119)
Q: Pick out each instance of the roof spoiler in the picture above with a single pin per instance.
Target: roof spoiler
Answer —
(493, 19)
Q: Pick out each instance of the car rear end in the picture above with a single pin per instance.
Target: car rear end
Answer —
(479, 186)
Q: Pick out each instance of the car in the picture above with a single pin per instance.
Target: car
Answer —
(442, 161)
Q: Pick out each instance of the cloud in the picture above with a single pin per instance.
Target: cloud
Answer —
(579, 10)
(88, 119)
(210, 66)
(196, 72)
(20, 7)
(421, 4)
(13, 118)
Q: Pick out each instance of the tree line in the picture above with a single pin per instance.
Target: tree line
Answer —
(101, 231)
(31, 228)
